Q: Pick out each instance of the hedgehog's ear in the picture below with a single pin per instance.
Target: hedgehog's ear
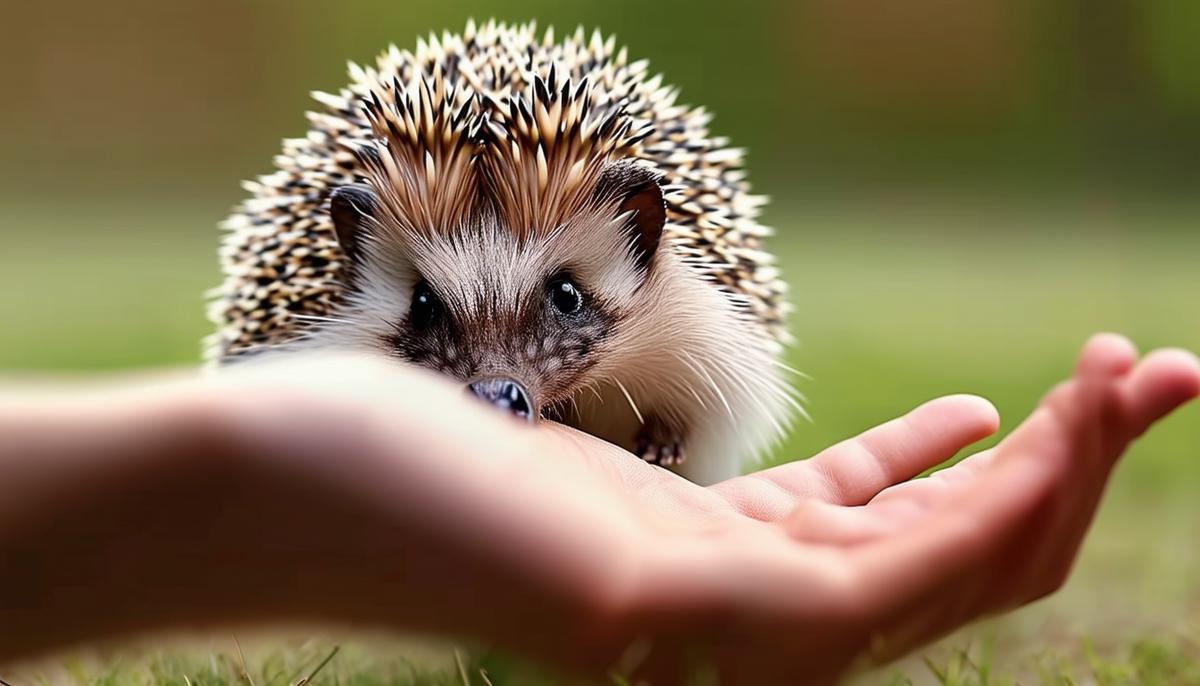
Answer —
(351, 207)
(640, 203)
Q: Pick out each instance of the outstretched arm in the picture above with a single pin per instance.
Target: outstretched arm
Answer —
(381, 496)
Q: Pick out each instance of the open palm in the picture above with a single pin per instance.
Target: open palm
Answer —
(789, 574)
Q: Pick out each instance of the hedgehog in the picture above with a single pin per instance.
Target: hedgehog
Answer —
(538, 220)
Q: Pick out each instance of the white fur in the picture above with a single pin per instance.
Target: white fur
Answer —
(682, 349)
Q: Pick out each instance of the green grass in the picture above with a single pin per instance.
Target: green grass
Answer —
(1154, 660)
(1151, 661)
(891, 310)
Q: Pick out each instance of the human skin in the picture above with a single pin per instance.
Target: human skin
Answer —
(350, 490)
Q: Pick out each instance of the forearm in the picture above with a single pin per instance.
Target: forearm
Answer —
(103, 492)
(124, 512)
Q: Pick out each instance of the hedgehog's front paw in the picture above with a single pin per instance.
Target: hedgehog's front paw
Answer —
(658, 444)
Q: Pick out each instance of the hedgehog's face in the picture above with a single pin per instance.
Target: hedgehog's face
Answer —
(524, 319)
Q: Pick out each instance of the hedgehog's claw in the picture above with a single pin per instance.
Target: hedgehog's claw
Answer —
(665, 454)
(653, 448)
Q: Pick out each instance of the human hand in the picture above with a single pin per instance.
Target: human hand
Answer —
(354, 490)
(790, 574)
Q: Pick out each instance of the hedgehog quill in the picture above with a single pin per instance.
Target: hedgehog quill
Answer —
(537, 219)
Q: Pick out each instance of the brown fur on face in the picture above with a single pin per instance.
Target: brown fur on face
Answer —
(485, 331)
(495, 314)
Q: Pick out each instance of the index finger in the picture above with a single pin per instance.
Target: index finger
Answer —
(854, 471)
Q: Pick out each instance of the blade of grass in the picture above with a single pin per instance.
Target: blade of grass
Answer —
(462, 667)
(245, 673)
(319, 667)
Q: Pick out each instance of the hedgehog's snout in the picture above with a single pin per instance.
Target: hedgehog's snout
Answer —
(505, 394)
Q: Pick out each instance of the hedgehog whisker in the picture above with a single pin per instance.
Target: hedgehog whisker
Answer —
(636, 411)
(688, 387)
(711, 382)
(790, 369)
(596, 392)
(783, 392)
(700, 401)
(740, 379)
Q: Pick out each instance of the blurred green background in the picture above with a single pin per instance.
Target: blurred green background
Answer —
(963, 192)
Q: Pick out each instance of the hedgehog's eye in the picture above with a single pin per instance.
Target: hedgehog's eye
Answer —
(564, 294)
(426, 307)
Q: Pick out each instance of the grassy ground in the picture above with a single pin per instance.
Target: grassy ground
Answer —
(1150, 661)
(888, 313)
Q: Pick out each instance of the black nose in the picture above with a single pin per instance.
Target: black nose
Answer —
(505, 394)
